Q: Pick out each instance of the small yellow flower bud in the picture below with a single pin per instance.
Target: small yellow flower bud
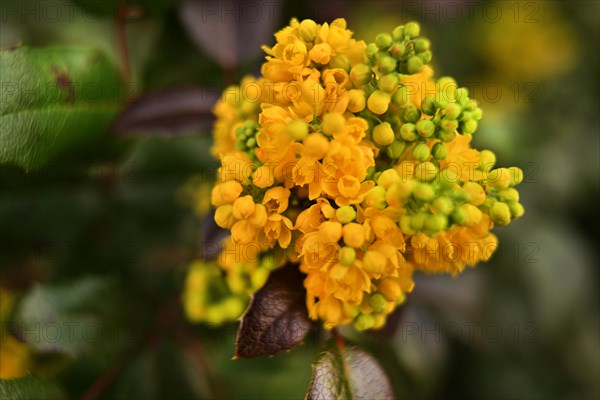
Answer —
(346, 255)
(398, 192)
(405, 226)
(487, 159)
(308, 30)
(500, 213)
(516, 175)
(364, 322)
(387, 178)
(345, 214)
(224, 216)
(388, 83)
(395, 149)
(425, 127)
(230, 191)
(375, 197)
(414, 65)
(387, 64)
(360, 75)
(259, 216)
(417, 221)
(469, 127)
(333, 123)
(426, 171)
(297, 129)
(466, 215)
(378, 302)
(357, 100)
(340, 61)
(378, 102)
(509, 194)
(499, 178)
(374, 262)
(330, 231)
(243, 207)
(408, 132)
(476, 193)
(400, 96)
(390, 289)
(421, 152)
(353, 234)
(443, 205)
(383, 134)
(383, 41)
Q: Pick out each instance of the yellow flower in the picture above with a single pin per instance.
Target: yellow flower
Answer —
(15, 357)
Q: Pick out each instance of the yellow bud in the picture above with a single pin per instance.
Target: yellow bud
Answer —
(383, 134)
(333, 123)
(230, 191)
(224, 216)
(487, 159)
(499, 178)
(405, 225)
(378, 102)
(374, 262)
(346, 255)
(516, 210)
(345, 214)
(378, 302)
(259, 216)
(353, 234)
(308, 30)
(417, 221)
(387, 178)
(357, 100)
(467, 215)
(509, 194)
(390, 289)
(388, 83)
(297, 129)
(434, 224)
(476, 194)
(364, 322)
(330, 231)
(500, 213)
(360, 74)
(375, 197)
(443, 205)
(423, 192)
(243, 207)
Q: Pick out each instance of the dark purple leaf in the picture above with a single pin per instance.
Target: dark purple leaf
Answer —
(277, 318)
(230, 31)
(170, 112)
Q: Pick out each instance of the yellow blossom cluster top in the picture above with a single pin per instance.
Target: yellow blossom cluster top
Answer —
(353, 162)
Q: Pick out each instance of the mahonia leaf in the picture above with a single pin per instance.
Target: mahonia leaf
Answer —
(349, 373)
(30, 387)
(277, 318)
(169, 112)
(53, 99)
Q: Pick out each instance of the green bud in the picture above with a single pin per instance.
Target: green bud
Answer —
(251, 143)
(241, 146)
(364, 322)
(340, 61)
(421, 152)
(400, 96)
(434, 224)
(372, 50)
(378, 302)
(452, 111)
(516, 210)
(426, 56)
(409, 132)
(417, 221)
(439, 151)
(422, 44)
(516, 175)
(360, 74)
(443, 205)
(383, 134)
(477, 114)
(398, 33)
(412, 29)
(414, 65)
(383, 41)
(448, 124)
(397, 50)
(462, 95)
(428, 106)
(446, 136)
(426, 171)
(395, 149)
(509, 194)
(425, 127)
(387, 64)
(500, 213)
(469, 127)
(388, 83)
(345, 214)
(412, 113)
(405, 225)
(346, 255)
(448, 178)
(423, 191)
(466, 215)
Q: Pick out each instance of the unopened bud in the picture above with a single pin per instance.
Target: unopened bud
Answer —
(308, 30)
(360, 74)
(388, 83)
(439, 151)
(426, 171)
(412, 29)
(378, 302)
(387, 64)
(383, 134)
(409, 132)
(346, 255)
(500, 213)
(297, 129)
(383, 41)
(414, 65)
(395, 149)
(421, 152)
(425, 127)
(375, 197)
(378, 102)
(345, 214)
(423, 192)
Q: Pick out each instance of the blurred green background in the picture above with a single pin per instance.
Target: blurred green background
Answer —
(103, 234)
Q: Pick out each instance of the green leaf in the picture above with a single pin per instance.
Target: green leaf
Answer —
(65, 319)
(30, 387)
(52, 100)
(349, 373)
(277, 318)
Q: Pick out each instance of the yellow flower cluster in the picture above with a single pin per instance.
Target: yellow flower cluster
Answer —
(354, 163)
(15, 356)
